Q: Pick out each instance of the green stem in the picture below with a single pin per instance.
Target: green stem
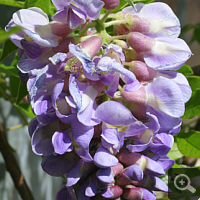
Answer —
(115, 22)
(105, 16)
(14, 127)
(84, 31)
(118, 37)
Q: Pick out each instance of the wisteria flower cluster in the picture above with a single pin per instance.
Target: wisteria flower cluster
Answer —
(107, 106)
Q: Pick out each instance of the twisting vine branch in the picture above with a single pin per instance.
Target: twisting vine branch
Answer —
(13, 168)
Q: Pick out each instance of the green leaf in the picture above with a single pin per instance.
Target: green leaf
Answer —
(174, 153)
(45, 5)
(192, 107)
(186, 28)
(22, 92)
(14, 85)
(9, 70)
(26, 109)
(194, 82)
(5, 35)
(188, 143)
(13, 3)
(8, 47)
(185, 70)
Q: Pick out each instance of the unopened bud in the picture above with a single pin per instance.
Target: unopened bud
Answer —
(91, 46)
(142, 71)
(63, 46)
(110, 4)
(138, 96)
(132, 193)
(112, 192)
(139, 42)
(60, 29)
(133, 172)
(136, 24)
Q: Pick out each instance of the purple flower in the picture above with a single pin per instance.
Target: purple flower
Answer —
(156, 20)
(76, 12)
(162, 53)
(35, 26)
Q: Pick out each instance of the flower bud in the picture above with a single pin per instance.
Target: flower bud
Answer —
(139, 42)
(121, 29)
(110, 4)
(91, 46)
(132, 193)
(129, 158)
(142, 71)
(63, 46)
(134, 172)
(138, 96)
(112, 192)
(60, 29)
(137, 193)
(117, 169)
(136, 24)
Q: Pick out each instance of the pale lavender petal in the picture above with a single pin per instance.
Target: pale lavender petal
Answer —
(105, 175)
(38, 82)
(29, 17)
(181, 81)
(163, 20)
(110, 138)
(91, 7)
(165, 96)
(71, 15)
(162, 143)
(59, 57)
(86, 114)
(165, 162)
(82, 134)
(135, 129)
(60, 4)
(103, 158)
(138, 147)
(167, 54)
(134, 172)
(153, 168)
(61, 142)
(44, 111)
(167, 123)
(75, 92)
(148, 195)
(91, 189)
(114, 113)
